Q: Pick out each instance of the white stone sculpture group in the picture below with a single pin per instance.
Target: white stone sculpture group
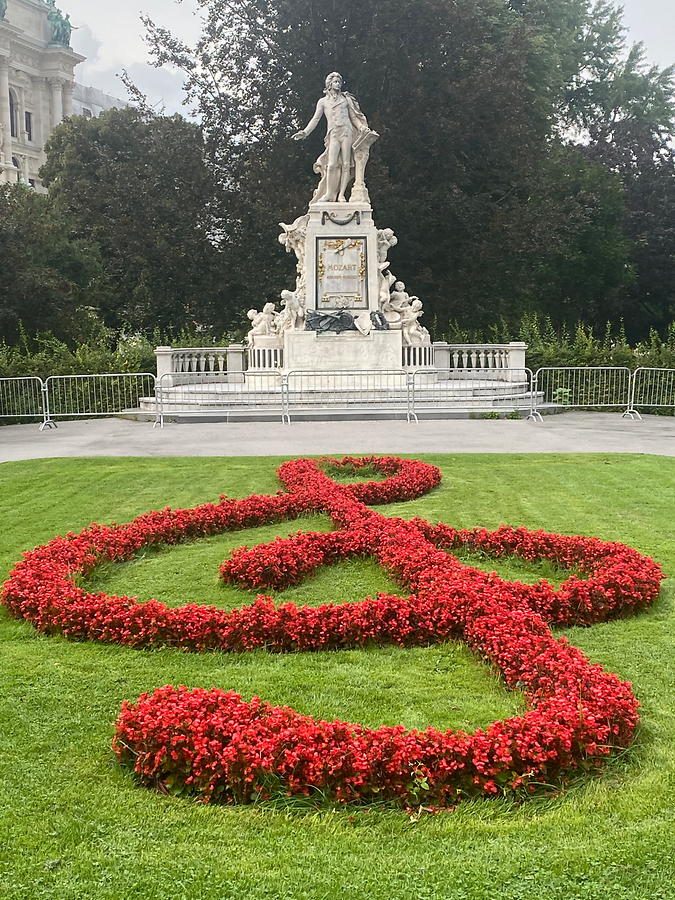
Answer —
(347, 147)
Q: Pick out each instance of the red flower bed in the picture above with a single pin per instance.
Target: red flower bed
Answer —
(221, 747)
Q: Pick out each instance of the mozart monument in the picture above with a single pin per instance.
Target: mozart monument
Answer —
(347, 310)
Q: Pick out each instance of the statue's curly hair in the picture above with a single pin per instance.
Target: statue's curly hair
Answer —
(328, 80)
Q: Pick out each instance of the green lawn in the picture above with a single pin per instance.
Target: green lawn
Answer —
(74, 825)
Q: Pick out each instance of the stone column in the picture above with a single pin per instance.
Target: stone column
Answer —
(236, 356)
(68, 89)
(6, 132)
(56, 85)
(22, 116)
(442, 358)
(516, 360)
(164, 366)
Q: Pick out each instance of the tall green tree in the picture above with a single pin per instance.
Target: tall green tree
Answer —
(50, 279)
(467, 97)
(137, 184)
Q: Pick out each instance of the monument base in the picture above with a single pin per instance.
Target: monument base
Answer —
(309, 350)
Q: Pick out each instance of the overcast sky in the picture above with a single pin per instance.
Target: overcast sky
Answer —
(110, 35)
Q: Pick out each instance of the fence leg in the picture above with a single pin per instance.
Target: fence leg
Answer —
(47, 421)
(285, 401)
(159, 404)
(411, 415)
(535, 415)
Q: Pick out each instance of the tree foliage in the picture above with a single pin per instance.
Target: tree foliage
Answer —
(498, 208)
(137, 184)
(525, 163)
(49, 278)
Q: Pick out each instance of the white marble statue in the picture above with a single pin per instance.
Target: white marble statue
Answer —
(385, 240)
(348, 140)
(293, 316)
(262, 323)
(412, 331)
(293, 238)
(399, 298)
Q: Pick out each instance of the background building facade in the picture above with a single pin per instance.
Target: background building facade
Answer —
(37, 85)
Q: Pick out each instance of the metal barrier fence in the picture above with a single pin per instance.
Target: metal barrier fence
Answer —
(68, 396)
(204, 395)
(347, 392)
(23, 398)
(579, 387)
(652, 388)
(437, 391)
(426, 392)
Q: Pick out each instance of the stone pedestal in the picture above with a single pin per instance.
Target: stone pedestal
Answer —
(267, 353)
(351, 350)
(341, 258)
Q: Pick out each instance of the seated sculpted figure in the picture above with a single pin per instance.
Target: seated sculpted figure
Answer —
(399, 298)
(263, 323)
(413, 332)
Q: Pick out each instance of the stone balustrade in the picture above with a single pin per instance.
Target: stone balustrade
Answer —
(179, 365)
(265, 358)
(418, 356)
(490, 360)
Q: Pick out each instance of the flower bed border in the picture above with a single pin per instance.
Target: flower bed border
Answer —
(222, 748)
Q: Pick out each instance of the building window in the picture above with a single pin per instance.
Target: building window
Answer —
(15, 163)
(14, 131)
(29, 125)
(86, 112)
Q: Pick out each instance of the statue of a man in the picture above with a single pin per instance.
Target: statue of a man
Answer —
(3, 8)
(346, 124)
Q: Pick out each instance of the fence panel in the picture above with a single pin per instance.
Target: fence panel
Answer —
(22, 398)
(212, 395)
(69, 396)
(652, 389)
(348, 392)
(579, 387)
(435, 392)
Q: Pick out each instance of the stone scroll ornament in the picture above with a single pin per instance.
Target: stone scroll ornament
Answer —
(217, 746)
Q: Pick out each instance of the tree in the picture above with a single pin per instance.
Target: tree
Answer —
(623, 112)
(49, 279)
(468, 171)
(136, 183)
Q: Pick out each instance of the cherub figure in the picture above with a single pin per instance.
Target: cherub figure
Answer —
(263, 323)
(399, 298)
(412, 331)
(292, 318)
(385, 240)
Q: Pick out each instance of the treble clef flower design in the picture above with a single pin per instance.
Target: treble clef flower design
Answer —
(214, 744)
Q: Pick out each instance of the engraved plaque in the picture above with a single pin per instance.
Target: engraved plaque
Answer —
(341, 273)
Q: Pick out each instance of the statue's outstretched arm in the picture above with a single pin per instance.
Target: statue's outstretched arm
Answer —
(311, 125)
